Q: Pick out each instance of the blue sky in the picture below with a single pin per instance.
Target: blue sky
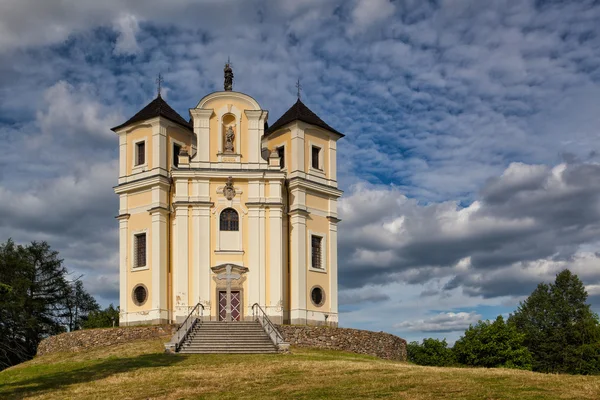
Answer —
(470, 166)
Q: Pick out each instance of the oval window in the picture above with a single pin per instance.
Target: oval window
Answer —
(317, 295)
(140, 295)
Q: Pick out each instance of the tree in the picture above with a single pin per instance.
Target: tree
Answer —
(493, 344)
(432, 352)
(34, 299)
(78, 305)
(561, 331)
(102, 318)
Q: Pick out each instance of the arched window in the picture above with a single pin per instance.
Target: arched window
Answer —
(229, 220)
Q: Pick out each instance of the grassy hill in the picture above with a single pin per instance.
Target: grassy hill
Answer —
(140, 370)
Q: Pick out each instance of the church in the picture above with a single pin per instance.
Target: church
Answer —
(225, 193)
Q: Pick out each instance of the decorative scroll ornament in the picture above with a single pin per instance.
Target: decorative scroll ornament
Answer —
(229, 190)
(229, 136)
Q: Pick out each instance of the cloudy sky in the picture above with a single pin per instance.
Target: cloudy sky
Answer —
(471, 165)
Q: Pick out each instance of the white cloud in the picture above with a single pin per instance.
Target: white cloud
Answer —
(443, 322)
(127, 26)
(367, 13)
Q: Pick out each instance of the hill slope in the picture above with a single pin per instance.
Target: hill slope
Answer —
(140, 370)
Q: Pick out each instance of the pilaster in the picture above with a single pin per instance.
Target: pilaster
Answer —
(180, 270)
(159, 145)
(255, 280)
(123, 292)
(275, 306)
(298, 267)
(201, 120)
(159, 263)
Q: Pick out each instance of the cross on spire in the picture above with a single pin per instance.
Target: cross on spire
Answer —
(299, 87)
(159, 82)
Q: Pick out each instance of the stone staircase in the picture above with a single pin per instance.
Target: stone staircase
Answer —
(242, 337)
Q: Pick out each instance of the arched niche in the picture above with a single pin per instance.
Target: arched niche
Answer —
(228, 124)
(229, 115)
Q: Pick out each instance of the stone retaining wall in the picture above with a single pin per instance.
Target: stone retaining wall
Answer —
(379, 344)
(90, 338)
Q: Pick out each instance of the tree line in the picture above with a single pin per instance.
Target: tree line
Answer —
(552, 331)
(39, 298)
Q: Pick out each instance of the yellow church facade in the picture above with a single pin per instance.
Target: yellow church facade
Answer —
(225, 188)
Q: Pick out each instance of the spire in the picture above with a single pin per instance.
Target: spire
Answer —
(159, 82)
(228, 86)
(299, 87)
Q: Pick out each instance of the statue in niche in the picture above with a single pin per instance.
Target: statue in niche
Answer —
(229, 136)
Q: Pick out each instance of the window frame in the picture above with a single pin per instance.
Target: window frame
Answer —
(323, 267)
(323, 296)
(229, 221)
(136, 153)
(134, 234)
(312, 157)
(134, 299)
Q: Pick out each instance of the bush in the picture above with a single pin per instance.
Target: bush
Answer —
(432, 352)
(493, 344)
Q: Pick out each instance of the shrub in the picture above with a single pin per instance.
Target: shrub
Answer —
(493, 344)
(432, 352)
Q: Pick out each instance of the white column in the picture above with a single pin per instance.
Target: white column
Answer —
(262, 262)
(333, 271)
(254, 242)
(159, 265)
(201, 119)
(333, 160)
(123, 294)
(298, 267)
(297, 161)
(253, 142)
(276, 264)
(180, 270)
(159, 145)
(196, 266)
(122, 155)
(203, 244)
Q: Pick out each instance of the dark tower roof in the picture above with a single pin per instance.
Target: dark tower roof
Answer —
(156, 108)
(299, 112)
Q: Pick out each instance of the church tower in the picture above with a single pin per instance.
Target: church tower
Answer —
(227, 212)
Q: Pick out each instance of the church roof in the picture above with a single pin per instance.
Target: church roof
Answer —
(299, 112)
(156, 108)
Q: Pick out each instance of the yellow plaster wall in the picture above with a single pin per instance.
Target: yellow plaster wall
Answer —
(314, 137)
(143, 132)
(138, 222)
(139, 199)
(315, 201)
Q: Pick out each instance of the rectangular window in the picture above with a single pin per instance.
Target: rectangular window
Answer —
(316, 251)
(315, 157)
(139, 250)
(140, 153)
(281, 153)
(176, 150)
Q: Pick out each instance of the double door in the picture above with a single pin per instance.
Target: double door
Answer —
(236, 305)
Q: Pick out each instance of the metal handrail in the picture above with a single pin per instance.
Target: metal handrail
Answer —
(188, 324)
(259, 315)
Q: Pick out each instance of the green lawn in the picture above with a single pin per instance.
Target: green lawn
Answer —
(141, 370)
